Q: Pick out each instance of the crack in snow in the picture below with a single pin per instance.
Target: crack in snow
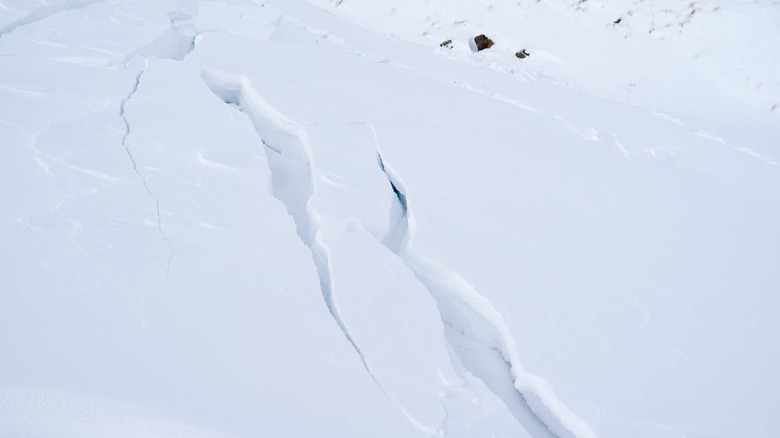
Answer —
(291, 180)
(476, 332)
(45, 12)
(175, 43)
(125, 135)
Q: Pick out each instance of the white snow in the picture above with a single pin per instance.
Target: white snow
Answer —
(241, 218)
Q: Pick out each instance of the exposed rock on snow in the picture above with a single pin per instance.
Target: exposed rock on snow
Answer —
(483, 42)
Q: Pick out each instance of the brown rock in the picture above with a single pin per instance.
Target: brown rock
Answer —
(483, 42)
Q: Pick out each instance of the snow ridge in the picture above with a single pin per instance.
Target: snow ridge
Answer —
(126, 134)
(288, 154)
(477, 334)
(45, 12)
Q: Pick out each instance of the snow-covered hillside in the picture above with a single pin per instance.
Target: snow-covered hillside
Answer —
(290, 218)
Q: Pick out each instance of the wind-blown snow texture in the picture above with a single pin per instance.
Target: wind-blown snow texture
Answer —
(241, 218)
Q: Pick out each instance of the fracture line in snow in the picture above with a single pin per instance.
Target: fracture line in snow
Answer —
(45, 12)
(125, 135)
(189, 37)
(745, 150)
(175, 44)
(590, 133)
(477, 334)
(287, 151)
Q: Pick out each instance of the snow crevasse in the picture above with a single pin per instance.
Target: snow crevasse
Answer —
(288, 153)
(477, 333)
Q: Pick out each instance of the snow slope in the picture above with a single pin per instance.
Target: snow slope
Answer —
(287, 218)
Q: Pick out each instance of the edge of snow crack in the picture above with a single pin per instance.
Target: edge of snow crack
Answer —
(288, 156)
(476, 332)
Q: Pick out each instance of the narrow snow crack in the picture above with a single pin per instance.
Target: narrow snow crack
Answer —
(476, 332)
(174, 44)
(45, 12)
(125, 135)
(289, 160)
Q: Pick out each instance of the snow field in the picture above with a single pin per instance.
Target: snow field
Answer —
(232, 218)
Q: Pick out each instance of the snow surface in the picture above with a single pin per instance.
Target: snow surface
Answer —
(245, 218)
